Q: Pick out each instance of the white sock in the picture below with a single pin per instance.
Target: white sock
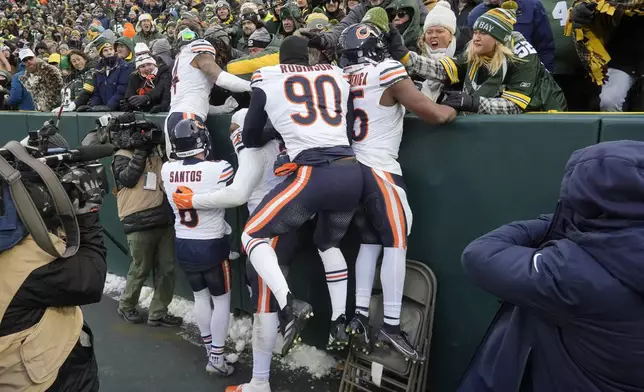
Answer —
(336, 271)
(264, 260)
(264, 337)
(203, 314)
(219, 324)
(365, 271)
(392, 277)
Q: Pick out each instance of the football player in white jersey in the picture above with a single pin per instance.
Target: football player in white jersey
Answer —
(307, 107)
(381, 90)
(193, 76)
(201, 237)
(253, 180)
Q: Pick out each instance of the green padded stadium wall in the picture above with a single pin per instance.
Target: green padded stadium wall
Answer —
(463, 180)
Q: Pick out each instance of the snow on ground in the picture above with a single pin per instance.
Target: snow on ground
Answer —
(315, 362)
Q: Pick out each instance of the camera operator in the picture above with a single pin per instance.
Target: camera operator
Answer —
(44, 344)
(148, 223)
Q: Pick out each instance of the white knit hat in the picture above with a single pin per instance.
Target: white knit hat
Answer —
(143, 55)
(141, 48)
(441, 15)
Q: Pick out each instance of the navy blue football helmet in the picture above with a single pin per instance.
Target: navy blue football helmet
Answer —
(188, 138)
(361, 43)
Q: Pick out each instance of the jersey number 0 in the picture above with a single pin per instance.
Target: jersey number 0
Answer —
(299, 90)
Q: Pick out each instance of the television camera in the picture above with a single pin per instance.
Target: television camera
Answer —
(49, 182)
(125, 131)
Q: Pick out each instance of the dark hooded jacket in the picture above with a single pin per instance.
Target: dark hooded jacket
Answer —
(158, 95)
(292, 11)
(574, 316)
(110, 82)
(130, 45)
(331, 38)
(412, 29)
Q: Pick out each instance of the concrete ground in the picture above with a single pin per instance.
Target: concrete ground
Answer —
(137, 358)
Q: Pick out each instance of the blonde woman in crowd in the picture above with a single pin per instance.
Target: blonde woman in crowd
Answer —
(500, 70)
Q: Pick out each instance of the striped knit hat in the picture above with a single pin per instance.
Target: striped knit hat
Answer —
(498, 22)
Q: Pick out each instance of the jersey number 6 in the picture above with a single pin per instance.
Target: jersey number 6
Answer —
(359, 114)
(189, 218)
(314, 97)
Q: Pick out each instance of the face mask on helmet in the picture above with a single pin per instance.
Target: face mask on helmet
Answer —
(361, 43)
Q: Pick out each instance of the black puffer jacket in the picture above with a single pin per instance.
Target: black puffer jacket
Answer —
(158, 95)
(127, 173)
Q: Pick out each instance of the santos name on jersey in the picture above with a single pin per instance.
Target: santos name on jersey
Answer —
(306, 104)
(378, 129)
(190, 90)
(200, 177)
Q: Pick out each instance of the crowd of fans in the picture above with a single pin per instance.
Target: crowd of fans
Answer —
(118, 54)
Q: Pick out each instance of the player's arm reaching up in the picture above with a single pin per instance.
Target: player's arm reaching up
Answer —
(406, 93)
(253, 127)
(205, 61)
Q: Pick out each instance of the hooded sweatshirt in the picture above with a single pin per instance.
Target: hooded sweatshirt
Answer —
(130, 44)
(412, 28)
(146, 38)
(574, 316)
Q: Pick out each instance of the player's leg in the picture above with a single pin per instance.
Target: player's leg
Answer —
(218, 281)
(332, 224)
(203, 309)
(365, 270)
(387, 214)
(265, 319)
(283, 209)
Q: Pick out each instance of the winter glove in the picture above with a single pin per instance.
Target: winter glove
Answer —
(137, 140)
(461, 101)
(182, 198)
(69, 108)
(283, 165)
(315, 39)
(84, 192)
(101, 108)
(124, 105)
(395, 44)
(229, 105)
(84, 108)
(158, 109)
(138, 100)
(583, 14)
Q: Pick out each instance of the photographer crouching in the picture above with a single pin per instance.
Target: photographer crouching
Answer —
(52, 260)
(147, 220)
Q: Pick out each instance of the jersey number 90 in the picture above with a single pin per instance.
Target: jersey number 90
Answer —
(299, 90)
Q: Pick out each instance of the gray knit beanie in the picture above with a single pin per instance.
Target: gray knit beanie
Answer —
(259, 39)
(160, 46)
